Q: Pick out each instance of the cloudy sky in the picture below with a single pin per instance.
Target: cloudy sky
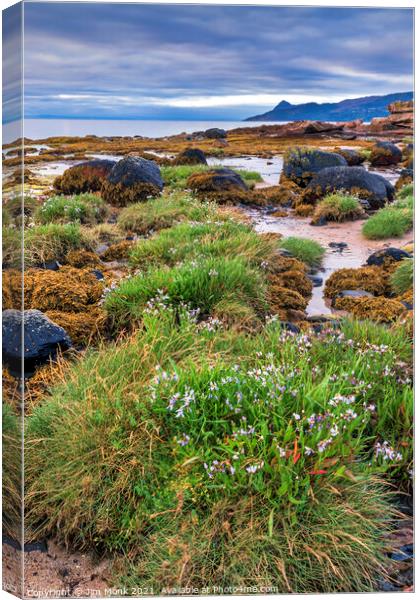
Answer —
(197, 62)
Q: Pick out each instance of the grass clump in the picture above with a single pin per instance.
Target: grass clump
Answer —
(12, 247)
(308, 251)
(177, 176)
(162, 212)
(338, 207)
(205, 240)
(388, 222)
(50, 242)
(82, 208)
(393, 220)
(198, 442)
(402, 279)
(199, 284)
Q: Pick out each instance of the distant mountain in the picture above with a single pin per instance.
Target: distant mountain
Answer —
(346, 110)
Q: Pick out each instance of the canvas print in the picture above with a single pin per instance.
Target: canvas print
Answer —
(208, 264)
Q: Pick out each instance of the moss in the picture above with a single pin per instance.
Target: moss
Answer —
(281, 298)
(380, 310)
(82, 327)
(283, 264)
(118, 251)
(304, 210)
(287, 194)
(119, 194)
(294, 280)
(69, 289)
(12, 289)
(80, 179)
(82, 258)
(279, 213)
(371, 279)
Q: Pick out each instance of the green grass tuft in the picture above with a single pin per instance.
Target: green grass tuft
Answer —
(202, 240)
(81, 208)
(306, 250)
(338, 207)
(394, 220)
(199, 284)
(388, 222)
(163, 212)
(50, 242)
(402, 278)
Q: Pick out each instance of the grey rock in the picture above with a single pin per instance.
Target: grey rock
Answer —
(42, 339)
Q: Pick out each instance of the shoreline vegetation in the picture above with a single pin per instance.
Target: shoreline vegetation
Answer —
(191, 421)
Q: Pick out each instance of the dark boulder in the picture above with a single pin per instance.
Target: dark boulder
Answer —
(386, 255)
(353, 158)
(375, 189)
(42, 340)
(302, 164)
(85, 177)
(191, 156)
(131, 180)
(215, 133)
(385, 154)
(217, 180)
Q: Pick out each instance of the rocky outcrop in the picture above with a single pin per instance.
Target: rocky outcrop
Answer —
(132, 180)
(401, 117)
(42, 340)
(374, 190)
(302, 164)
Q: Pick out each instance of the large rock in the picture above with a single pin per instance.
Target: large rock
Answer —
(215, 133)
(385, 154)
(84, 177)
(372, 188)
(302, 164)
(131, 180)
(42, 340)
(381, 257)
(191, 156)
(217, 180)
(353, 158)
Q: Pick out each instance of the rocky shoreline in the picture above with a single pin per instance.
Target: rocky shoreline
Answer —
(118, 227)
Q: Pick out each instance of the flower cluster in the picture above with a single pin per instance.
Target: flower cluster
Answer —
(385, 451)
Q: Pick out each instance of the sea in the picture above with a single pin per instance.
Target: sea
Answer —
(43, 128)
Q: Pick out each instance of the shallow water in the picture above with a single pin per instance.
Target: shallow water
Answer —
(354, 255)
